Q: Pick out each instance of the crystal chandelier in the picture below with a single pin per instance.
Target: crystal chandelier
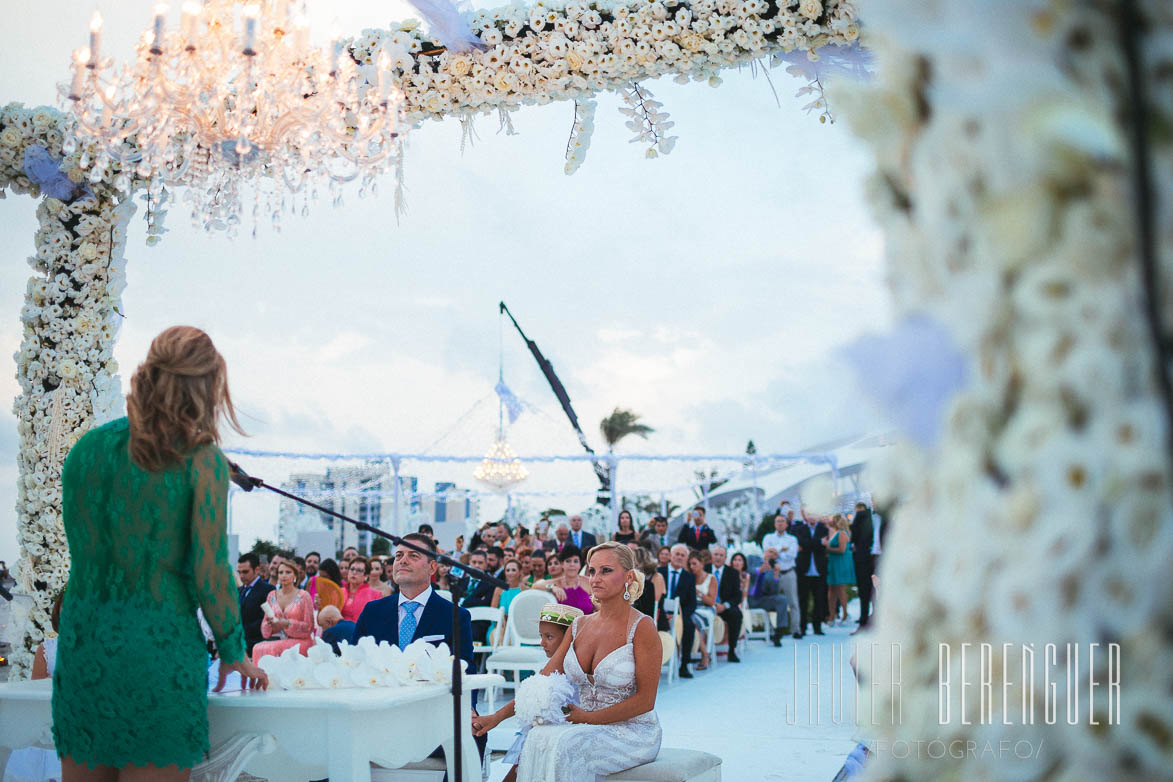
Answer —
(500, 468)
(236, 95)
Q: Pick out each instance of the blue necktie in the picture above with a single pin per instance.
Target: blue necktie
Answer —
(408, 625)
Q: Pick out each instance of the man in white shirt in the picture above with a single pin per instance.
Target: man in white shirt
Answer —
(787, 547)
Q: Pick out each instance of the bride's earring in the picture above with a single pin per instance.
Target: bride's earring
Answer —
(626, 592)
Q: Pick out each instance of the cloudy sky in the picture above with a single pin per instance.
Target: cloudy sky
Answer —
(708, 290)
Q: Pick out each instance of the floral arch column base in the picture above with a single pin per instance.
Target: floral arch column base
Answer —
(66, 367)
(1042, 515)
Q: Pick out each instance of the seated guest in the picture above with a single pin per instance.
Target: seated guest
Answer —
(626, 533)
(477, 593)
(376, 579)
(664, 556)
(740, 565)
(537, 568)
(681, 587)
(358, 591)
(570, 588)
(326, 585)
(729, 596)
(553, 566)
(503, 597)
(765, 590)
(706, 598)
(654, 586)
(251, 595)
(289, 616)
(335, 629)
(414, 610)
(302, 578)
(443, 579)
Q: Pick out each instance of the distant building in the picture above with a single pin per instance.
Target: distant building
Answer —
(367, 493)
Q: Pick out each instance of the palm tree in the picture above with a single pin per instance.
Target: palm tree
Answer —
(620, 424)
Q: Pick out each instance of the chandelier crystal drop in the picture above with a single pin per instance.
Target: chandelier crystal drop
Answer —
(235, 96)
(501, 468)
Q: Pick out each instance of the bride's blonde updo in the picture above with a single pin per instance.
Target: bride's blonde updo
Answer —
(626, 559)
(177, 396)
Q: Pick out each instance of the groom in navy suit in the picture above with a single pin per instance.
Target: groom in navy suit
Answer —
(415, 611)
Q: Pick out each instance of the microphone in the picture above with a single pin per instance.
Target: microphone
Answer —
(242, 478)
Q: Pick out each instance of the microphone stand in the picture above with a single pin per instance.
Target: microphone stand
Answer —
(248, 483)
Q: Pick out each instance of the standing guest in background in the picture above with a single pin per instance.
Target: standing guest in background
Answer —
(786, 544)
(523, 559)
(812, 537)
(358, 592)
(862, 539)
(477, 593)
(570, 588)
(657, 537)
(302, 577)
(349, 553)
(764, 592)
(250, 597)
(334, 628)
(561, 539)
(425, 530)
(312, 560)
(289, 617)
(728, 605)
(144, 507)
(697, 534)
(263, 571)
(537, 568)
(681, 586)
(582, 540)
(274, 563)
(626, 533)
(840, 572)
(375, 579)
(654, 586)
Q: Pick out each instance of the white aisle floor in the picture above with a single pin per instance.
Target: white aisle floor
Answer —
(752, 715)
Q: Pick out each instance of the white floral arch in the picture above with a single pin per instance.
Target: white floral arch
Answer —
(1008, 199)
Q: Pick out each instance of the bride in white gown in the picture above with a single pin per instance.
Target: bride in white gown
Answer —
(615, 726)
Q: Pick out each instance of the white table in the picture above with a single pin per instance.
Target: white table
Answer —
(294, 734)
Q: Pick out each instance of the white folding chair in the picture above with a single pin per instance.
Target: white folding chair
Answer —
(669, 645)
(488, 614)
(521, 650)
(755, 617)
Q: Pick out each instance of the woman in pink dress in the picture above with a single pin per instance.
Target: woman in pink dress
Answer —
(289, 615)
(358, 592)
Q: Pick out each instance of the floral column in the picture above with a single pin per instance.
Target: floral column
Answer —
(65, 366)
(1042, 514)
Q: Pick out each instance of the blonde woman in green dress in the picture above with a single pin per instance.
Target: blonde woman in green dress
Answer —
(143, 503)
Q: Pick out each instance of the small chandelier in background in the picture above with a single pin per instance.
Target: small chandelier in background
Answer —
(500, 468)
(236, 95)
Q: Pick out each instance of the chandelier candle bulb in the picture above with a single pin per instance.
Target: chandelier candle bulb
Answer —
(250, 29)
(188, 24)
(160, 24)
(80, 58)
(95, 40)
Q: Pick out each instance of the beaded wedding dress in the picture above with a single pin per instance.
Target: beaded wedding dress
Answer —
(585, 753)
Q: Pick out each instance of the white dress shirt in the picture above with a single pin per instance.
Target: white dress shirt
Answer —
(786, 545)
(877, 520)
(422, 598)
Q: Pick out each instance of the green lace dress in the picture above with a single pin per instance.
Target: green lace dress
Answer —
(147, 549)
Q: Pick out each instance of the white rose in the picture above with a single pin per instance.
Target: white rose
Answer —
(10, 136)
(811, 9)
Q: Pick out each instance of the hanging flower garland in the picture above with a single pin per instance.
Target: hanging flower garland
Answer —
(542, 53)
(65, 366)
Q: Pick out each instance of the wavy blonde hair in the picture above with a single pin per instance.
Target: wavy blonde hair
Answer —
(626, 559)
(177, 397)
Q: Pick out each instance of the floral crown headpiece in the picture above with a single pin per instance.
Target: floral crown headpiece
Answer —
(559, 614)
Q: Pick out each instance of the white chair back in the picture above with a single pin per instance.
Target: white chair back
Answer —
(444, 593)
(521, 627)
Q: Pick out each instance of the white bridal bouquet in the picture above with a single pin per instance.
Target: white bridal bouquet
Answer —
(365, 664)
(541, 700)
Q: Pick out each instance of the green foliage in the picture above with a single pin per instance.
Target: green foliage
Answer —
(765, 527)
(380, 546)
(620, 424)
